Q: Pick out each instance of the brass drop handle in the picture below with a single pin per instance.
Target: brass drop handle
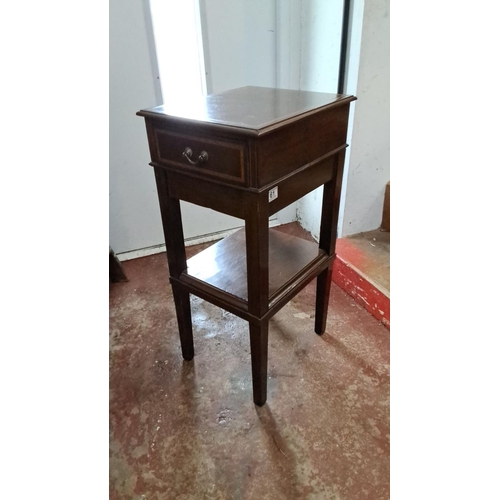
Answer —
(188, 153)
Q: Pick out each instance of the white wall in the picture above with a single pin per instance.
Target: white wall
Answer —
(368, 155)
(321, 26)
(240, 43)
(240, 49)
(308, 59)
(178, 40)
(133, 202)
(284, 43)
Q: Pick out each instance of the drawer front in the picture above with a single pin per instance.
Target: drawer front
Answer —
(215, 158)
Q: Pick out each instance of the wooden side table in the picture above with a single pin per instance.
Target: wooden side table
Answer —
(248, 153)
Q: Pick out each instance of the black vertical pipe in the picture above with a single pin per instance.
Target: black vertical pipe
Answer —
(343, 47)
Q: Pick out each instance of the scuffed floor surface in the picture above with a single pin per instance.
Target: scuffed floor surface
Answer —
(189, 430)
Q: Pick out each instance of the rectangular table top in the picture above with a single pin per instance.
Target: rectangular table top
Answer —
(253, 108)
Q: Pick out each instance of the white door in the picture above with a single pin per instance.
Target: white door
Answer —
(208, 47)
(198, 47)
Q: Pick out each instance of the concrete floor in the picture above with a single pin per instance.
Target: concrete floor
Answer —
(189, 430)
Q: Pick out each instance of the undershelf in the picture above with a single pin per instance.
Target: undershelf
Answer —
(223, 265)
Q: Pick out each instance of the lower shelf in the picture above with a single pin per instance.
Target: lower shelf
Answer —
(224, 266)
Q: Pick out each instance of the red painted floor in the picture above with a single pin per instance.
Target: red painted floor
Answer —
(362, 269)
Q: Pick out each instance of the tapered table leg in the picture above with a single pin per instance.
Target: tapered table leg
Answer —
(258, 348)
(257, 247)
(324, 282)
(183, 310)
(176, 256)
(328, 239)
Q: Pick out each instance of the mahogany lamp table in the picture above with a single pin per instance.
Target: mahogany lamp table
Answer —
(249, 152)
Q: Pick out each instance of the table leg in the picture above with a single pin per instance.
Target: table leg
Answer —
(183, 310)
(327, 240)
(324, 282)
(176, 255)
(257, 247)
(258, 348)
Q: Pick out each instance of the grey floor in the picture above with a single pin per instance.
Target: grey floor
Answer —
(189, 430)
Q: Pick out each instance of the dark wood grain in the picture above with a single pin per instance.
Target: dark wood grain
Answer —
(386, 211)
(258, 265)
(323, 286)
(225, 199)
(183, 312)
(223, 265)
(236, 159)
(287, 293)
(327, 239)
(287, 149)
(239, 307)
(176, 256)
(258, 351)
(251, 109)
(257, 139)
(172, 225)
(226, 159)
(302, 181)
(257, 243)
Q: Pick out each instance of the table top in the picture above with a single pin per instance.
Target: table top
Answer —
(252, 108)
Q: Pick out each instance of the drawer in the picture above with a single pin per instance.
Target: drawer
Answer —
(214, 158)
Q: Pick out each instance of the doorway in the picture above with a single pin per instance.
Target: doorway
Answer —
(209, 46)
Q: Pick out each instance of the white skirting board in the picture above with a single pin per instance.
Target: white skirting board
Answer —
(144, 252)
